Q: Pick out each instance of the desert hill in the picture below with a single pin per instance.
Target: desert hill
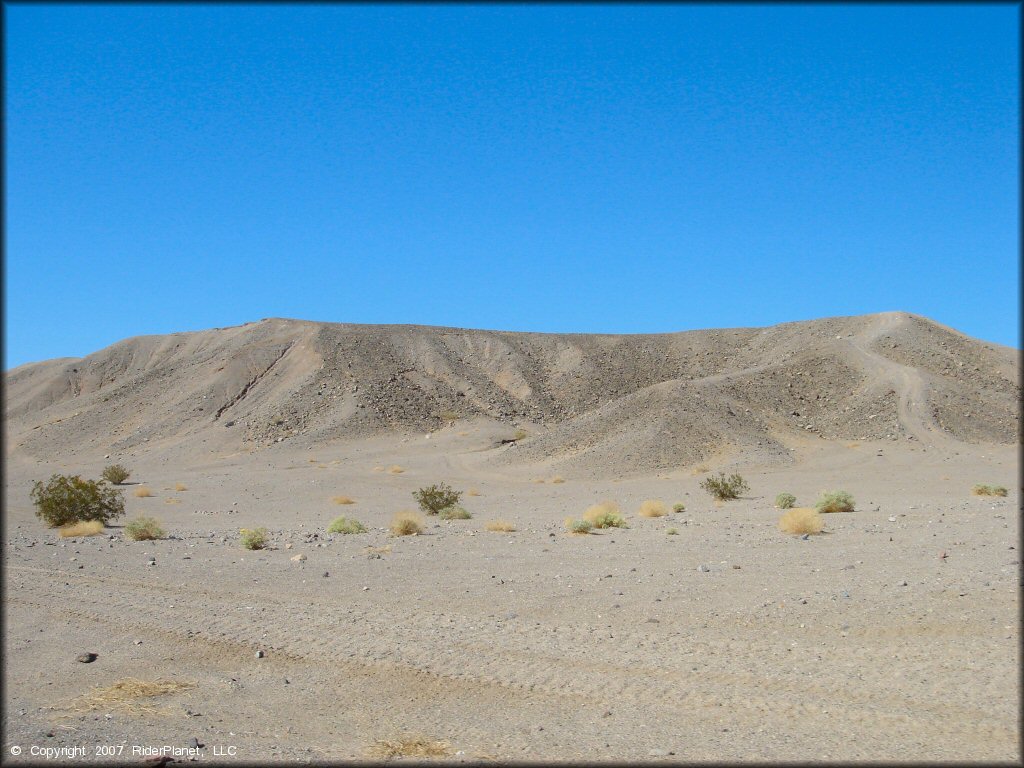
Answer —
(642, 402)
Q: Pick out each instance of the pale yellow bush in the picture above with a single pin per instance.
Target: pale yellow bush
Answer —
(801, 520)
(653, 508)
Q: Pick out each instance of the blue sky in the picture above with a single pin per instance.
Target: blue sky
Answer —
(566, 168)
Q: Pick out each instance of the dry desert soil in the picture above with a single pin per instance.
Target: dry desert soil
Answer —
(702, 635)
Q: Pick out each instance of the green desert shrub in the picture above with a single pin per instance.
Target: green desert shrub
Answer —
(578, 526)
(454, 512)
(144, 529)
(115, 474)
(254, 538)
(785, 501)
(605, 515)
(434, 498)
(70, 499)
(834, 501)
(680, 507)
(346, 525)
(988, 490)
(724, 488)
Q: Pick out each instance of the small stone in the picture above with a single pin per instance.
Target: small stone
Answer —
(893, 519)
(138, 642)
(298, 558)
(326, 574)
(88, 658)
(289, 545)
(736, 567)
(806, 536)
(658, 753)
(193, 743)
(260, 654)
(703, 569)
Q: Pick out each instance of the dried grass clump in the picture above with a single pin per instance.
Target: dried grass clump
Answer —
(378, 469)
(988, 490)
(126, 694)
(472, 492)
(408, 746)
(172, 501)
(343, 500)
(83, 528)
(557, 480)
(144, 529)
(345, 525)
(653, 508)
(180, 487)
(801, 520)
(605, 515)
(394, 469)
(454, 512)
(834, 501)
(406, 524)
(578, 526)
(500, 526)
(142, 492)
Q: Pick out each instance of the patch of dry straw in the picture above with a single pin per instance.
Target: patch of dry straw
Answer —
(129, 694)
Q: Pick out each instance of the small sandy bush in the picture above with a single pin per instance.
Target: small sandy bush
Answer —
(653, 508)
(406, 524)
(144, 529)
(672, 531)
(115, 474)
(408, 746)
(801, 520)
(500, 526)
(64, 499)
(343, 500)
(254, 538)
(578, 526)
(394, 469)
(454, 512)
(143, 492)
(680, 507)
(521, 434)
(605, 515)
(435, 498)
(725, 488)
(473, 492)
(785, 501)
(988, 490)
(834, 501)
(180, 487)
(87, 528)
(345, 525)
(557, 480)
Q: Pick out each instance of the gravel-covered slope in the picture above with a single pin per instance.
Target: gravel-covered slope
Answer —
(647, 401)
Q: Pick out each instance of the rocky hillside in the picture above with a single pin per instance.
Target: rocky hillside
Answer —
(638, 401)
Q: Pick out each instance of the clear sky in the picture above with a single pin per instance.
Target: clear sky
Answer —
(571, 168)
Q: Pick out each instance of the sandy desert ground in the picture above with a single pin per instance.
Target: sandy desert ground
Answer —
(727, 641)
